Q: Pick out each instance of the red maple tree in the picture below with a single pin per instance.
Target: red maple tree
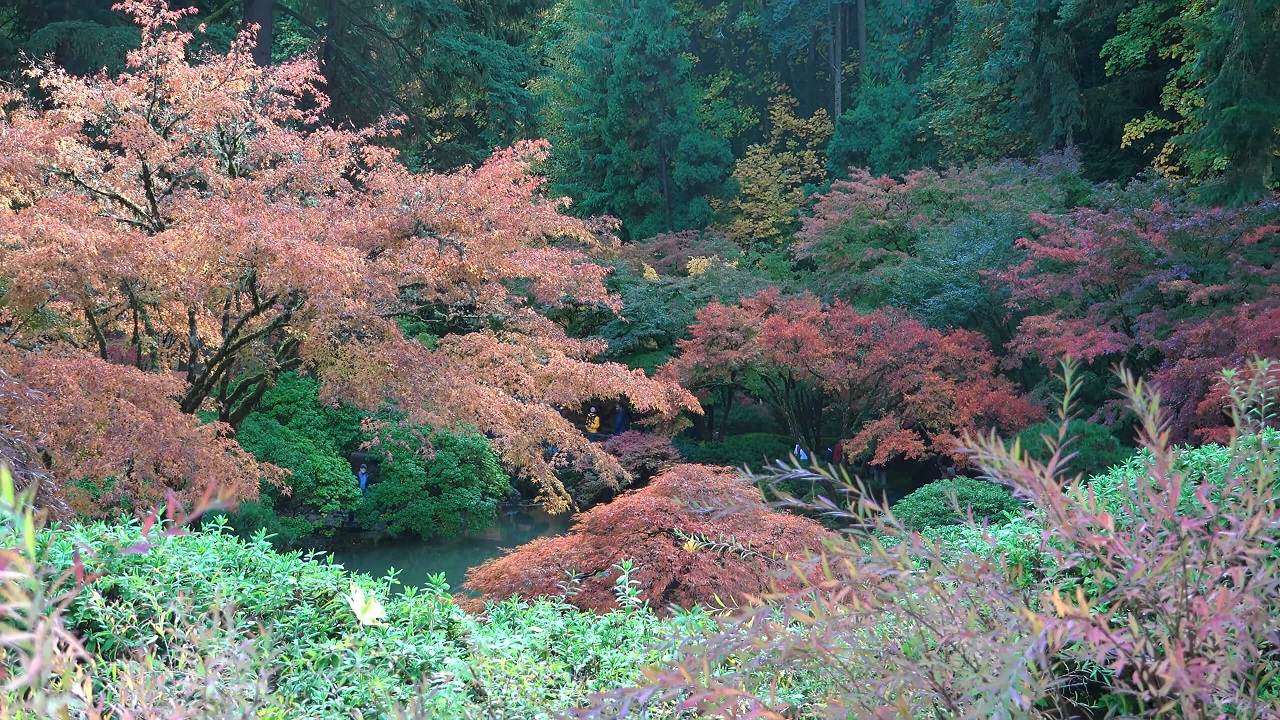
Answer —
(1190, 378)
(896, 388)
(642, 454)
(684, 551)
(114, 439)
(1178, 294)
(192, 217)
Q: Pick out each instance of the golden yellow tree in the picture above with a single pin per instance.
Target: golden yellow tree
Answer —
(772, 175)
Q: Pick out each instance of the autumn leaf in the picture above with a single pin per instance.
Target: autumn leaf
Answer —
(367, 609)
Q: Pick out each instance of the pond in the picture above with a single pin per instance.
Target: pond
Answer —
(416, 559)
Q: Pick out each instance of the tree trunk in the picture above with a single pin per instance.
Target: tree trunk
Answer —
(666, 182)
(860, 38)
(727, 405)
(837, 57)
(261, 13)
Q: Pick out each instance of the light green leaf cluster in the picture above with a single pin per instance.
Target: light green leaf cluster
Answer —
(215, 591)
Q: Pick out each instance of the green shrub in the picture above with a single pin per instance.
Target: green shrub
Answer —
(749, 418)
(1095, 448)
(754, 450)
(1208, 465)
(290, 617)
(438, 490)
(933, 505)
(260, 516)
(1013, 545)
(292, 430)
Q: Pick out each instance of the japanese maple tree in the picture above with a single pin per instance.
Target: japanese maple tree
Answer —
(684, 552)
(192, 218)
(864, 232)
(891, 386)
(113, 439)
(642, 454)
(1173, 292)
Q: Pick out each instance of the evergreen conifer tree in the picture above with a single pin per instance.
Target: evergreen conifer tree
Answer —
(628, 139)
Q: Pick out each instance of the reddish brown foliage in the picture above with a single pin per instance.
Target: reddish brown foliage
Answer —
(16, 451)
(876, 203)
(1174, 293)
(650, 527)
(112, 438)
(642, 454)
(897, 387)
(1190, 378)
(863, 228)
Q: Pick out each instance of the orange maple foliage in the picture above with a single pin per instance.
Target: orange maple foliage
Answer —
(684, 552)
(192, 217)
(17, 454)
(113, 439)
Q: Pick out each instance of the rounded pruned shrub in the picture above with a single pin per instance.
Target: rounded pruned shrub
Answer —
(683, 553)
(933, 505)
(1094, 448)
(446, 488)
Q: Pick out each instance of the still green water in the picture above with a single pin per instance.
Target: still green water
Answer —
(416, 559)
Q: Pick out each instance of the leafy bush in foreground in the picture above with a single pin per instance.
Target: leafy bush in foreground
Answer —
(1173, 611)
(935, 504)
(238, 630)
(257, 620)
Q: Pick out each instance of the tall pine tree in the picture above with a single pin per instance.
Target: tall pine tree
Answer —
(626, 119)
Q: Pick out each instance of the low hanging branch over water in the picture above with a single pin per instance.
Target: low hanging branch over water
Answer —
(191, 217)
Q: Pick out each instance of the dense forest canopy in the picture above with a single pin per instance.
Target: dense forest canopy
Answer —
(877, 222)
(1190, 89)
(913, 359)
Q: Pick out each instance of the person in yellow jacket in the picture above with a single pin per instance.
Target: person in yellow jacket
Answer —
(593, 421)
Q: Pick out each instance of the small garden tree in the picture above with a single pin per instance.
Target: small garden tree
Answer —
(895, 387)
(1174, 292)
(951, 502)
(684, 552)
(642, 454)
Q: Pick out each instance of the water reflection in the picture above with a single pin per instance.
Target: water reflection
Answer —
(416, 559)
